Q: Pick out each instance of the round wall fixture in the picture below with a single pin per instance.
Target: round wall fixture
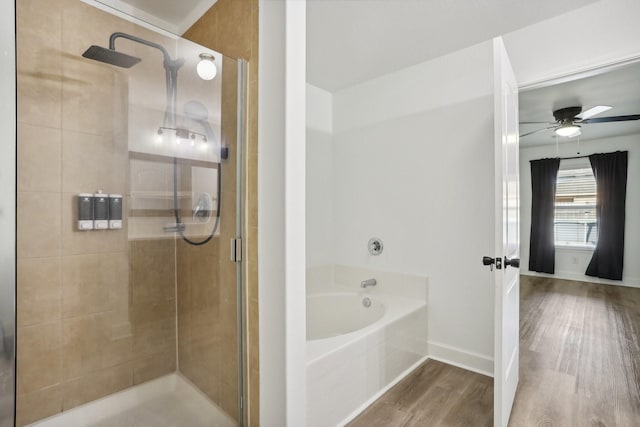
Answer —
(375, 246)
(207, 69)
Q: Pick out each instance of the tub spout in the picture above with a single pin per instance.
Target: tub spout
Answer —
(368, 282)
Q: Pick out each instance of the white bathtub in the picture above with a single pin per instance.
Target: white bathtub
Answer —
(331, 315)
(364, 350)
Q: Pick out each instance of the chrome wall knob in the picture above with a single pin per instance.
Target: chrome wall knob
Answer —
(375, 246)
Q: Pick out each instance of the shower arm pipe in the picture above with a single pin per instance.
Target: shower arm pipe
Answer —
(171, 67)
(114, 36)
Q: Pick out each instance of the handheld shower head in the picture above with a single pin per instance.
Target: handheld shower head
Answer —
(196, 111)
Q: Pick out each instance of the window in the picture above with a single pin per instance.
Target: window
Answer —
(575, 208)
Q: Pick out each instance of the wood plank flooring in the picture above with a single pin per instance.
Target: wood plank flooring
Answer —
(579, 366)
(435, 394)
(579, 354)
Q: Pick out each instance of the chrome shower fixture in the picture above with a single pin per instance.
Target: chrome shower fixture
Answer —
(171, 67)
(375, 246)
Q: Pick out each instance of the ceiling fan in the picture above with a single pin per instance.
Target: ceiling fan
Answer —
(569, 120)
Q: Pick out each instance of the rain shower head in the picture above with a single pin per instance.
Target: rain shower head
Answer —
(110, 56)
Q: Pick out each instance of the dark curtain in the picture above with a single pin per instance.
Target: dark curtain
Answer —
(610, 171)
(542, 250)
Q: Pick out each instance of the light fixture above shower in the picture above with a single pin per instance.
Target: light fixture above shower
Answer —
(207, 69)
(182, 134)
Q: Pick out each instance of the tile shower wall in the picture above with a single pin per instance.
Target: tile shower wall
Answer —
(231, 28)
(96, 313)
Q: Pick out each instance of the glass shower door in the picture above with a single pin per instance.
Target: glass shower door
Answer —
(184, 176)
(142, 294)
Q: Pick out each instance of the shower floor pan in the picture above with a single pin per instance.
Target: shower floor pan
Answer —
(164, 402)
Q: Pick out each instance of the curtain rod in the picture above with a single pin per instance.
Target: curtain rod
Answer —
(577, 157)
(561, 158)
(574, 157)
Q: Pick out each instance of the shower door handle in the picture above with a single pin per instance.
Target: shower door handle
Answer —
(236, 250)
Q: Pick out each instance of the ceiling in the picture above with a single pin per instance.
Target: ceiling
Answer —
(351, 41)
(619, 89)
(170, 15)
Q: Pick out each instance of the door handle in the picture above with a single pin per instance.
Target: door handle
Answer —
(513, 262)
(488, 260)
(491, 261)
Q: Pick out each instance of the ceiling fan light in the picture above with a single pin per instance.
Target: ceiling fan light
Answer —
(568, 129)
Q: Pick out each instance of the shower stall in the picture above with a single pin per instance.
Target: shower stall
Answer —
(129, 183)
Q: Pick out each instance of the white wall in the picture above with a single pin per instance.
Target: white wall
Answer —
(572, 263)
(281, 212)
(419, 185)
(601, 33)
(413, 164)
(271, 217)
(319, 104)
(319, 186)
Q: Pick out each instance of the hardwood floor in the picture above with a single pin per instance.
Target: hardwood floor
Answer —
(579, 354)
(579, 366)
(436, 394)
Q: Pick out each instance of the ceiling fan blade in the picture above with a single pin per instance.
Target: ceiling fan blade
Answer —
(536, 131)
(536, 123)
(613, 119)
(593, 111)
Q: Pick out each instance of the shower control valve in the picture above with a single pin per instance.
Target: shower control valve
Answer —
(375, 246)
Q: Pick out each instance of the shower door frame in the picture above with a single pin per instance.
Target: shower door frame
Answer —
(8, 161)
(241, 120)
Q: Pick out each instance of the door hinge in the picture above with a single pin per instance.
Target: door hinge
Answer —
(236, 250)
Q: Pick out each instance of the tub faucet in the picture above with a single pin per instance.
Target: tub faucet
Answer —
(368, 282)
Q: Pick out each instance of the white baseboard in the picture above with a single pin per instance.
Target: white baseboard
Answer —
(461, 358)
(633, 282)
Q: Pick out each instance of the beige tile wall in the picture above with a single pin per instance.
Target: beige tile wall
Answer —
(96, 313)
(231, 28)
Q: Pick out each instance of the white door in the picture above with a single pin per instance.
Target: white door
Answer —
(507, 235)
